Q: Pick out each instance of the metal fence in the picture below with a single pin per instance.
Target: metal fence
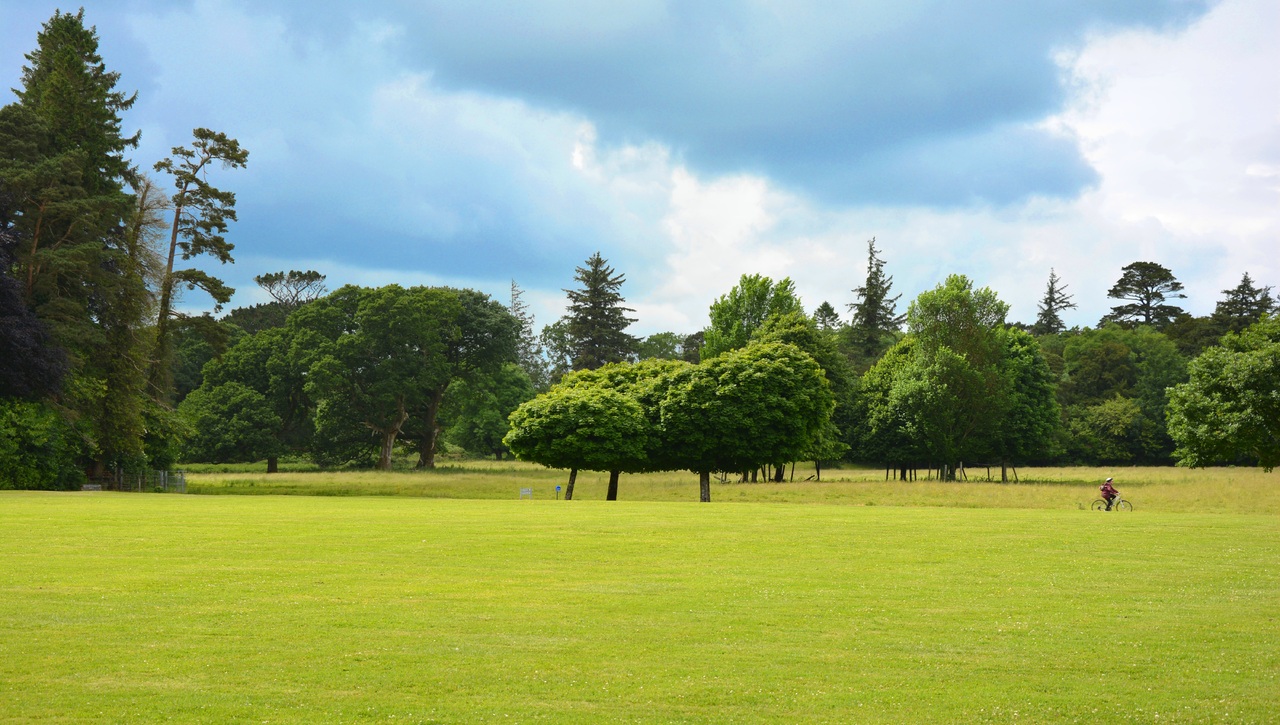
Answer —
(144, 481)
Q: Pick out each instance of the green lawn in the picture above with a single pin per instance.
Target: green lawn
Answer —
(143, 607)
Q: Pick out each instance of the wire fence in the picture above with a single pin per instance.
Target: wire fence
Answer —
(141, 482)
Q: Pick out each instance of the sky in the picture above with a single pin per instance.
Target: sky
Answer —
(691, 142)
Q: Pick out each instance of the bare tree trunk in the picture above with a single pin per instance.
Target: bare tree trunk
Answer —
(704, 486)
(613, 487)
(388, 445)
(568, 491)
(427, 443)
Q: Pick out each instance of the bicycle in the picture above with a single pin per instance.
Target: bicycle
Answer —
(1117, 505)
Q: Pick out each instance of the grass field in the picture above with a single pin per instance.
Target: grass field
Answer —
(146, 607)
(1154, 489)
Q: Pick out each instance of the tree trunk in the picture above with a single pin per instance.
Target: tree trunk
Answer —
(158, 377)
(817, 470)
(792, 477)
(613, 487)
(568, 491)
(1004, 473)
(273, 464)
(704, 486)
(427, 443)
(388, 445)
(755, 473)
(779, 472)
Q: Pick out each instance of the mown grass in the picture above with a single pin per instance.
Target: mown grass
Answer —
(1220, 490)
(142, 607)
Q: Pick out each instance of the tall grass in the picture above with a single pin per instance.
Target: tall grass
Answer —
(1220, 490)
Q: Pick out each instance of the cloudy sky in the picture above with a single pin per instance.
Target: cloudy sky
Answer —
(693, 141)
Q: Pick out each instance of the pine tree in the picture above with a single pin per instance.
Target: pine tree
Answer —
(875, 317)
(1243, 306)
(528, 346)
(1055, 300)
(1146, 285)
(201, 213)
(826, 317)
(596, 320)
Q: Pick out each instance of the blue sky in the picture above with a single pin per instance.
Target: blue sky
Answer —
(691, 142)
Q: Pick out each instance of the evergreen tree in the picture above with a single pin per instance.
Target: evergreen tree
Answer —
(596, 319)
(1055, 300)
(1146, 285)
(82, 267)
(1243, 306)
(528, 346)
(874, 316)
(201, 213)
(826, 317)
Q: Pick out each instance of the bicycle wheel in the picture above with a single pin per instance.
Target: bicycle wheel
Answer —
(1123, 505)
(1099, 505)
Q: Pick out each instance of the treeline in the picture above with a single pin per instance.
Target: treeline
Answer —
(92, 265)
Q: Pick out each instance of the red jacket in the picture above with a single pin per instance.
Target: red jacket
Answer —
(1108, 491)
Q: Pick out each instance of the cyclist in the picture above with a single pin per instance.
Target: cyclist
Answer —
(1109, 492)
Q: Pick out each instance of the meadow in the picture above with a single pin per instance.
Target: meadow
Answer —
(425, 608)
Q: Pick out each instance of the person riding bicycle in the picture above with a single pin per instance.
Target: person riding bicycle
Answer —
(1109, 492)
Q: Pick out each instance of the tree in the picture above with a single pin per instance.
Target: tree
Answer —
(384, 353)
(478, 409)
(1032, 420)
(874, 319)
(230, 423)
(292, 289)
(743, 409)
(528, 347)
(581, 427)
(62, 179)
(201, 213)
(34, 364)
(596, 319)
(559, 346)
(477, 337)
(1242, 306)
(1055, 300)
(1228, 410)
(664, 345)
(737, 315)
(826, 317)
(1146, 285)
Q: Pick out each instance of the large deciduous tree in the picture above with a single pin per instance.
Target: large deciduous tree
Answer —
(1146, 286)
(596, 320)
(1229, 409)
(737, 315)
(478, 408)
(201, 214)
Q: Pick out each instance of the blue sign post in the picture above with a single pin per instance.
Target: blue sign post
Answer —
(557, 492)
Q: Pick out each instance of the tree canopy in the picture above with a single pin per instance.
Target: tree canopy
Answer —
(1146, 285)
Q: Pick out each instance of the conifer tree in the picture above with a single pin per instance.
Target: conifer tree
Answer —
(528, 346)
(1243, 305)
(1055, 300)
(874, 316)
(201, 213)
(1146, 285)
(826, 317)
(596, 321)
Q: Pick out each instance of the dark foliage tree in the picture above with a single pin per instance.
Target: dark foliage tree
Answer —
(596, 320)
(201, 214)
(34, 365)
(1146, 285)
(477, 409)
(691, 347)
(1055, 301)
(1242, 306)
(826, 317)
(874, 320)
(256, 318)
(737, 315)
(230, 423)
(478, 335)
